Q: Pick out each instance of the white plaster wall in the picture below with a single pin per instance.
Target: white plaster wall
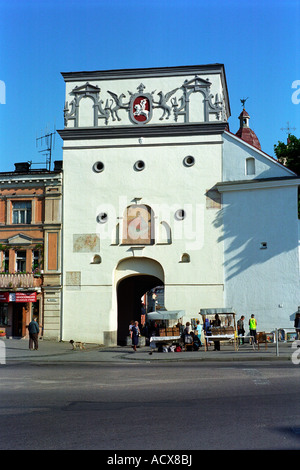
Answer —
(264, 282)
(165, 185)
(234, 162)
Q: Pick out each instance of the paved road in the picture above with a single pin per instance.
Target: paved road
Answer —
(146, 405)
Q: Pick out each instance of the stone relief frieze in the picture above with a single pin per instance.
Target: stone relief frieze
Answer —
(140, 105)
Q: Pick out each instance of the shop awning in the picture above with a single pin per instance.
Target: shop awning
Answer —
(165, 315)
(213, 311)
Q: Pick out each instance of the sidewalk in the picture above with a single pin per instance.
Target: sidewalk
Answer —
(16, 350)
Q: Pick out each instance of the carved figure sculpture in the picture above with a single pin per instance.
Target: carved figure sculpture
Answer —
(164, 98)
(119, 105)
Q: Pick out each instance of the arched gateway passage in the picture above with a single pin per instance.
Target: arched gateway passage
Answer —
(134, 276)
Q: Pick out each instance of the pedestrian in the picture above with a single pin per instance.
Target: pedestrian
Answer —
(199, 328)
(34, 330)
(216, 323)
(196, 341)
(135, 332)
(297, 325)
(130, 327)
(181, 328)
(207, 330)
(252, 327)
(188, 328)
(240, 328)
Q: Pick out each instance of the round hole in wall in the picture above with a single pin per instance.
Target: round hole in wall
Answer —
(139, 165)
(180, 214)
(102, 218)
(189, 160)
(98, 167)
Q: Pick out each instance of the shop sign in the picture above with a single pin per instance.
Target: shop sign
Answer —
(4, 296)
(25, 297)
(17, 297)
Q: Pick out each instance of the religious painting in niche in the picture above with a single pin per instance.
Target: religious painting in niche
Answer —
(138, 226)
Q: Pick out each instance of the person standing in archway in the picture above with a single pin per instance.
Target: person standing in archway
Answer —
(135, 332)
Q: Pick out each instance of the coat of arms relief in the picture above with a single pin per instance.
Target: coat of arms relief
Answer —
(141, 105)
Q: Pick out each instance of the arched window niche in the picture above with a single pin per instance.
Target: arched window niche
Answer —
(250, 166)
(185, 258)
(96, 259)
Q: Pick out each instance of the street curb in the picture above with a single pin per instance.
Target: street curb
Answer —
(61, 353)
(208, 359)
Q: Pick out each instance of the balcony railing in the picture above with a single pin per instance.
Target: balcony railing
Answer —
(18, 280)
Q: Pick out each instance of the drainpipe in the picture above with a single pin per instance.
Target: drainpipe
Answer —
(277, 342)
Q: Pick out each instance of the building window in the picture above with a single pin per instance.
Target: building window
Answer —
(5, 261)
(35, 261)
(21, 261)
(21, 212)
(250, 166)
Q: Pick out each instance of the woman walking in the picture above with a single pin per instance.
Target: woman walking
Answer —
(135, 332)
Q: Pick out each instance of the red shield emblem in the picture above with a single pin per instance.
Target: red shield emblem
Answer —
(141, 109)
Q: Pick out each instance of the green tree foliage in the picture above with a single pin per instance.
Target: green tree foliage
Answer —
(289, 154)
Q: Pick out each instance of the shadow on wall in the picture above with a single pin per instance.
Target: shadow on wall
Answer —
(258, 231)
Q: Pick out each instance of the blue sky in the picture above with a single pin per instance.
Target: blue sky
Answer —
(257, 41)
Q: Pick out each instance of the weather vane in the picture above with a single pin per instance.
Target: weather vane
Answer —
(243, 101)
(288, 128)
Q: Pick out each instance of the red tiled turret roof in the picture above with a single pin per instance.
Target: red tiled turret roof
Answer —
(245, 133)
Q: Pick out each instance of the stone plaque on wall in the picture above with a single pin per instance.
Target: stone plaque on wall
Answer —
(86, 243)
(73, 280)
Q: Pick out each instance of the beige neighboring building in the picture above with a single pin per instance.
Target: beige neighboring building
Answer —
(30, 250)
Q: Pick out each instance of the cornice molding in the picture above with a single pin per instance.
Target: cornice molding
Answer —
(29, 179)
(84, 133)
(119, 74)
(263, 183)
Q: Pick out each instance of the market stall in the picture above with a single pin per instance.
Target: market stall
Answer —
(224, 331)
(166, 331)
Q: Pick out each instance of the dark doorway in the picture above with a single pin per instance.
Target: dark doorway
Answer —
(18, 319)
(129, 292)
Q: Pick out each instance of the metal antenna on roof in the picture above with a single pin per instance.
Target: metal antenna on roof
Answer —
(48, 142)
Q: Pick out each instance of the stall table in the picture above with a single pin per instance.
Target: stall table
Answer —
(225, 331)
(163, 339)
(251, 340)
(220, 338)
